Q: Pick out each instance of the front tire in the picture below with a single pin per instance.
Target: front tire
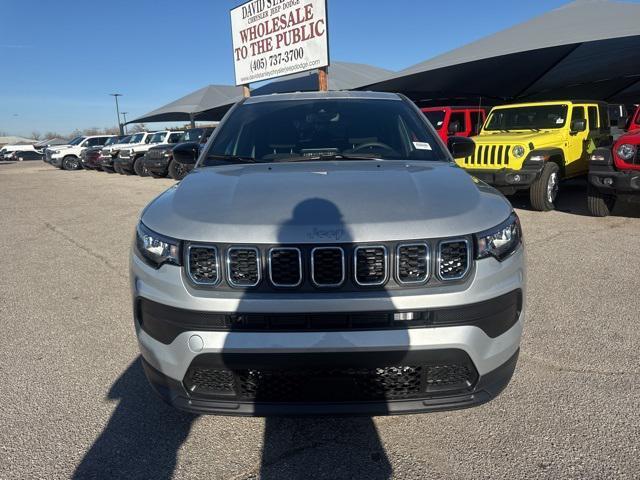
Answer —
(139, 167)
(544, 190)
(598, 203)
(117, 169)
(70, 163)
(177, 170)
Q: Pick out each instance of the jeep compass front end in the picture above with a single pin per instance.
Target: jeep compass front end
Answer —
(326, 256)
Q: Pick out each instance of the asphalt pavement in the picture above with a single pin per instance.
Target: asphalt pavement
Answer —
(74, 401)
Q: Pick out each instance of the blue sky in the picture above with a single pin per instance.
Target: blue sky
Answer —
(59, 60)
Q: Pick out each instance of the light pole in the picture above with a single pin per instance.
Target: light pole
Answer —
(116, 95)
(124, 124)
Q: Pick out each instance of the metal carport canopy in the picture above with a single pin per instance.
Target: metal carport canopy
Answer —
(585, 49)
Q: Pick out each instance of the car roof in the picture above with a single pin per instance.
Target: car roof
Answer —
(279, 97)
(550, 102)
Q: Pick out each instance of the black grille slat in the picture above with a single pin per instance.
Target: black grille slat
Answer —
(243, 266)
(203, 265)
(285, 267)
(413, 263)
(327, 266)
(370, 265)
(453, 259)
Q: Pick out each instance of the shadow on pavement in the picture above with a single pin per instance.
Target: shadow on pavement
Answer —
(142, 437)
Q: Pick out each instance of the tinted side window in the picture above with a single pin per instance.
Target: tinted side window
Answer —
(458, 117)
(593, 118)
(174, 137)
(577, 113)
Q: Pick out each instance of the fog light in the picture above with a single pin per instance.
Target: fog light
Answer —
(404, 316)
(608, 181)
(517, 178)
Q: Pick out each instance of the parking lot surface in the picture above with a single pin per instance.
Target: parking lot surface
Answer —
(74, 400)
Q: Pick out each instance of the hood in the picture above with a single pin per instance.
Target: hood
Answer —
(632, 137)
(162, 146)
(540, 138)
(326, 202)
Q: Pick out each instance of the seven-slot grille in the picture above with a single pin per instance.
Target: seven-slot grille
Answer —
(203, 265)
(285, 266)
(156, 153)
(370, 265)
(412, 263)
(327, 266)
(489, 155)
(243, 266)
(453, 259)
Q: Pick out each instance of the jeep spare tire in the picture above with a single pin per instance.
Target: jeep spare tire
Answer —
(544, 190)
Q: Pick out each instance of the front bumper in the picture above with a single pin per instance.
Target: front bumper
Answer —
(125, 163)
(507, 177)
(169, 365)
(56, 161)
(105, 161)
(157, 165)
(618, 181)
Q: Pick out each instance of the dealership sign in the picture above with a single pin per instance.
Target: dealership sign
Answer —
(278, 37)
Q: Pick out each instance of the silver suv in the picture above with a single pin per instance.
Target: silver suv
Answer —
(327, 256)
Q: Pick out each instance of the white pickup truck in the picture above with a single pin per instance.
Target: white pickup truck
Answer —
(67, 157)
(129, 157)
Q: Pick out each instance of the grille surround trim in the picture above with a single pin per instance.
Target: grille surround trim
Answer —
(467, 266)
(187, 264)
(427, 260)
(344, 273)
(355, 266)
(258, 266)
(269, 267)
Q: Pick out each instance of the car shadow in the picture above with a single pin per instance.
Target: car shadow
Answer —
(142, 437)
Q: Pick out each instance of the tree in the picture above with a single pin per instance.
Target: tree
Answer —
(36, 135)
(50, 135)
(137, 127)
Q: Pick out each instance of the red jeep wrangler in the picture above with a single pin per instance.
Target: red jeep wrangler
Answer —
(634, 121)
(614, 172)
(458, 121)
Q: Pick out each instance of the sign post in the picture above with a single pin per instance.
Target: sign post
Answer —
(272, 38)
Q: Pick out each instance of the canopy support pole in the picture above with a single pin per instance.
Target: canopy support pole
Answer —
(192, 120)
(323, 79)
(246, 91)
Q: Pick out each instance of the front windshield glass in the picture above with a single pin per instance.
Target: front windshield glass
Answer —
(528, 118)
(436, 118)
(192, 135)
(76, 140)
(158, 137)
(111, 141)
(137, 138)
(283, 130)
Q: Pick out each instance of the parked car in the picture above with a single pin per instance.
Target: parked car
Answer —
(50, 151)
(634, 121)
(109, 153)
(614, 172)
(68, 157)
(7, 150)
(131, 160)
(458, 121)
(302, 269)
(128, 154)
(21, 155)
(89, 158)
(159, 159)
(533, 146)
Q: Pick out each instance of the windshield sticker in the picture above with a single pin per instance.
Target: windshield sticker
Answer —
(422, 146)
(559, 121)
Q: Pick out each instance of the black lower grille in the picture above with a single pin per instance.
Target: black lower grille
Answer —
(413, 263)
(203, 265)
(285, 267)
(331, 384)
(371, 265)
(453, 260)
(327, 266)
(244, 266)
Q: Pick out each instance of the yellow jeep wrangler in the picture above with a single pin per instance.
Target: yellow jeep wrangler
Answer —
(536, 145)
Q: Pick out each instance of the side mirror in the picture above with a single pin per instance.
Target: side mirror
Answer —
(185, 153)
(454, 127)
(461, 147)
(578, 125)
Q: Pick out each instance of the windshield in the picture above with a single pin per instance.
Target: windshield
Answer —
(294, 129)
(76, 140)
(137, 138)
(157, 137)
(192, 135)
(436, 118)
(528, 118)
(175, 137)
(111, 141)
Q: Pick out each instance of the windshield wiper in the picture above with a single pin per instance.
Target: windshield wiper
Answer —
(231, 158)
(337, 156)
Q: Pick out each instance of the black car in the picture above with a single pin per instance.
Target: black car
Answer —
(26, 155)
(159, 161)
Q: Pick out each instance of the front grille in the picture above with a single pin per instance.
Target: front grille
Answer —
(489, 155)
(453, 259)
(202, 265)
(243, 266)
(327, 266)
(412, 263)
(156, 153)
(338, 384)
(370, 265)
(285, 267)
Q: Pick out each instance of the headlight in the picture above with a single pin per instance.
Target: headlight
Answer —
(157, 249)
(518, 151)
(501, 241)
(626, 151)
(167, 153)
